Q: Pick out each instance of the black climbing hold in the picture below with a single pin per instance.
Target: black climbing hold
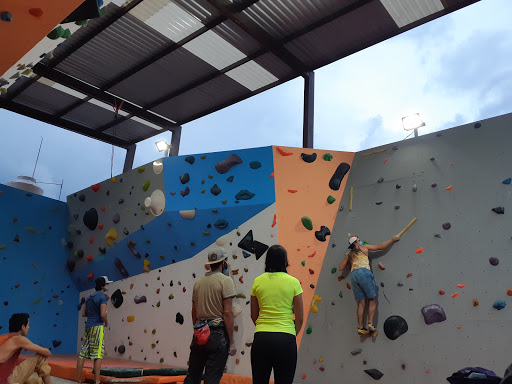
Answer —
(308, 158)
(433, 185)
(79, 253)
(6, 16)
(102, 250)
(131, 247)
(185, 192)
(70, 244)
(312, 286)
(400, 284)
(333, 245)
(507, 181)
(259, 249)
(439, 135)
(91, 219)
(75, 216)
(120, 267)
(185, 178)
(209, 226)
(116, 218)
(394, 148)
(398, 186)
(432, 159)
(121, 201)
(117, 298)
(255, 165)
(338, 176)
(247, 242)
(341, 208)
(378, 203)
(78, 232)
(179, 318)
(190, 159)
(246, 254)
(356, 351)
(380, 180)
(225, 165)
(221, 224)
(121, 349)
(499, 210)
(126, 232)
(447, 226)
(477, 125)
(340, 294)
(140, 299)
(433, 313)
(494, 261)
(244, 194)
(70, 264)
(215, 190)
(382, 284)
(322, 233)
(437, 235)
(81, 197)
(397, 207)
(56, 343)
(395, 326)
(374, 373)
(108, 193)
(230, 179)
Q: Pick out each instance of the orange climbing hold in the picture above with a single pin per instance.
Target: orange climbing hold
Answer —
(509, 292)
(274, 222)
(130, 319)
(95, 187)
(461, 286)
(409, 275)
(131, 286)
(441, 292)
(234, 272)
(475, 302)
(419, 250)
(304, 377)
(381, 267)
(456, 294)
(293, 191)
(283, 153)
(348, 286)
(449, 188)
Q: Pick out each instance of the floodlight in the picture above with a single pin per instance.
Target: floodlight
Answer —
(412, 122)
(162, 145)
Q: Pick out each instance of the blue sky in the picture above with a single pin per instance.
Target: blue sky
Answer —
(453, 70)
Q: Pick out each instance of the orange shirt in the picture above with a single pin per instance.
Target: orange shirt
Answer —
(7, 367)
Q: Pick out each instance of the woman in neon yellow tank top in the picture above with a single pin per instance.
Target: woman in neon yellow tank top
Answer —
(275, 298)
(363, 282)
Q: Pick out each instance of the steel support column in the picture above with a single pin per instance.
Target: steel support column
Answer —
(175, 141)
(309, 110)
(128, 160)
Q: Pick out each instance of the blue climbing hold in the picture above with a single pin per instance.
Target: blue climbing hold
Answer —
(246, 254)
(499, 304)
(507, 181)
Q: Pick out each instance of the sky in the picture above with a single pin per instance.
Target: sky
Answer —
(454, 70)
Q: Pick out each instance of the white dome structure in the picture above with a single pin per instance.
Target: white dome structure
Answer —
(27, 184)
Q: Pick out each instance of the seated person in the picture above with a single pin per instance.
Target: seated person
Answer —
(11, 344)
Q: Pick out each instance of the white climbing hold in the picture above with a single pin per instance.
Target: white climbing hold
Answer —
(188, 214)
(158, 167)
(222, 240)
(156, 203)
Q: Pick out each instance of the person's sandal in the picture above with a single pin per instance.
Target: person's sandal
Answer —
(362, 331)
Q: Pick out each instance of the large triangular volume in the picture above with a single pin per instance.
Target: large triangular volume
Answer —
(259, 249)
(247, 243)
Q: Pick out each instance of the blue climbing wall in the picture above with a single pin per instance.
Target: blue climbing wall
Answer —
(33, 278)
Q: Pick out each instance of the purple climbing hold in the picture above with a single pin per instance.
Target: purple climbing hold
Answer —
(91, 219)
(140, 299)
(185, 192)
(494, 261)
(116, 218)
(447, 226)
(499, 210)
(225, 165)
(120, 267)
(433, 313)
(131, 247)
(380, 180)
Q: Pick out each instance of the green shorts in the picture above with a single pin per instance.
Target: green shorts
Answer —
(93, 344)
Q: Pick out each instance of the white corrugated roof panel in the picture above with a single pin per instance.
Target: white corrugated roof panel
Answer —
(252, 75)
(405, 12)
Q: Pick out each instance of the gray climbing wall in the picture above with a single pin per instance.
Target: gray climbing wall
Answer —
(474, 159)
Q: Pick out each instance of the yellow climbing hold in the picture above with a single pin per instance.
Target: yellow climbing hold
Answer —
(321, 360)
(146, 265)
(111, 236)
(130, 319)
(316, 299)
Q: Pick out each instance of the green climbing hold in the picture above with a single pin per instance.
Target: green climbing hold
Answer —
(153, 346)
(31, 230)
(162, 360)
(3, 246)
(307, 223)
(303, 262)
(365, 242)
(82, 23)
(66, 34)
(56, 33)
(143, 207)
(171, 297)
(37, 301)
(153, 331)
(327, 157)
(158, 305)
(148, 241)
(331, 199)
(146, 185)
(334, 270)
(141, 169)
(309, 330)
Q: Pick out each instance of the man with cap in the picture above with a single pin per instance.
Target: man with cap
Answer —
(213, 319)
(93, 347)
(363, 282)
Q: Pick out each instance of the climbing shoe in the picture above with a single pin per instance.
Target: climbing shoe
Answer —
(362, 331)
(371, 328)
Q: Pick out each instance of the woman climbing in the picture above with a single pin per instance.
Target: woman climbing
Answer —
(275, 298)
(363, 282)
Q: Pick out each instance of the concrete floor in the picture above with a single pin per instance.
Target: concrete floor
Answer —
(58, 380)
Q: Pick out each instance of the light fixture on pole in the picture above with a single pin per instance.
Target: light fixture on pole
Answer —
(412, 122)
(162, 146)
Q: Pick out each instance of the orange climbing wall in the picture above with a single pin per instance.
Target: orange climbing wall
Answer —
(25, 31)
(311, 181)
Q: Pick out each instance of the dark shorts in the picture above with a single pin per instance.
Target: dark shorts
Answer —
(363, 284)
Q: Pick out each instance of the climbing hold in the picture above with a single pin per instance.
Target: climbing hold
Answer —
(6, 16)
(330, 199)
(120, 267)
(90, 219)
(475, 302)
(70, 264)
(147, 265)
(327, 157)
(3, 246)
(91, 239)
(356, 351)
(117, 298)
(121, 349)
(409, 275)
(499, 210)
(456, 294)
(414, 188)
(311, 272)
(179, 318)
(394, 147)
(309, 330)
(215, 190)
(338, 176)
(419, 250)
(293, 191)
(255, 165)
(56, 343)
(441, 292)
(16, 238)
(185, 192)
(433, 314)
(395, 326)
(190, 159)
(146, 185)
(477, 125)
(322, 233)
(433, 185)
(385, 161)
(378, 203)
(89, 257)
(116, 218)
(380, 180)
(461, 286)
(437, 235)
(458, 327)
(447, 226)
(225, 165)
(221, 224)
(509, 292)
(398, 186)
(403, 367)
(244, 194)
(348, 286)
(185, 178)
(111, 236)
(449, 188)
(283, 153)
(381, 267)
(374, 373)
(100, 226)
(507, 181)
(397, 207)
(499, 304)
(141, 169)
(95, 187)
(308, 158)
(190, 214)
(334, 270)
(130, 319)
(121, 201)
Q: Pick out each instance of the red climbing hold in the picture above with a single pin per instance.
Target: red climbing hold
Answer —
(184, 289)
(419, 250)
(381, 267)
(95, 187)
(311, 272)
(102, 208)
(275, 221)
(91, 239)
(131, 286)
(385, 161)
(313, 254)
(89, 257)
(441, 292)
(17, 286)
(461, 285)
(452, 163)
(36, 12)
(284, 153)
(340, 277)
(409, 275)
(241, 279)
(449, 188)
(455, 295)
(475, 302)
(14, 220)
(234, 272)
(100, 226)
(90, 276)
(293, 191)
(304, 377)
(459, 327)
(271, 175)
(348, 286)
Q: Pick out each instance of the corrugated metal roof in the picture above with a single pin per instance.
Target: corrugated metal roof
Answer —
(90, 115)
(252, 76)
(44, 98)
(405, 12)
(130, 130)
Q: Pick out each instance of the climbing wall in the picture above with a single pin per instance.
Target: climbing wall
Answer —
(451, 270)
(302, 178)
(195, 202)
(33, 277)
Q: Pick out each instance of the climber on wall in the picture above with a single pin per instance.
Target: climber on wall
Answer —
(93, 346)
(363, 282)
(11, 344)
(213, 320)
